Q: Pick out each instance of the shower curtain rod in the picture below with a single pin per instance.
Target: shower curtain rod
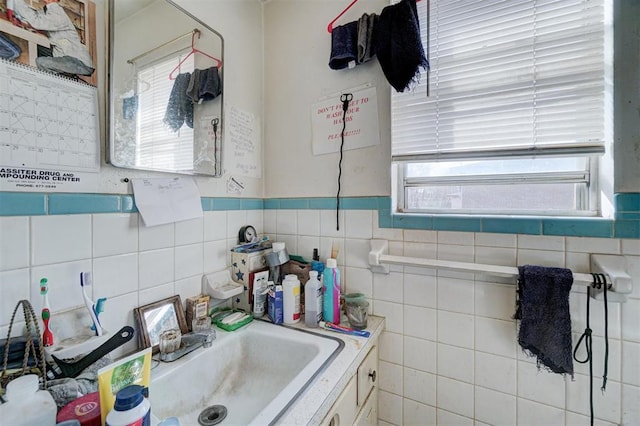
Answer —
(613, 267)
(142, 55)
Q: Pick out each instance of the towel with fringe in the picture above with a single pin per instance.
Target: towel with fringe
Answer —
(398, 45)
(545, 321)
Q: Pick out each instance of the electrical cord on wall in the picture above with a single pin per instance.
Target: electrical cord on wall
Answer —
(606, 335)
(598, 281)
(345, 98)
(586, 336)
(214, 124)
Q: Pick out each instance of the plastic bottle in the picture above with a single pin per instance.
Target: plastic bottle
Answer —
(331, 303)
(131, 407)
(313, 300)
(291, 299)
(260, 289)
(26, 404)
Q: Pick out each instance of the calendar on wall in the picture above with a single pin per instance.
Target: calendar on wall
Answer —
(49, 131)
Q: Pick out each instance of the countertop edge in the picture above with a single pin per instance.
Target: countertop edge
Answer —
(314, 404)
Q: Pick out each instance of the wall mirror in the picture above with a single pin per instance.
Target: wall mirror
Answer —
(155, 318)
(165, 89)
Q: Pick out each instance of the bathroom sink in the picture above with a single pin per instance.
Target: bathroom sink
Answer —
(255, 373)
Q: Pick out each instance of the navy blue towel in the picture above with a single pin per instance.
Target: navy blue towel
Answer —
(398, 44)
(344, 46)
(543, 311)
(209, 87)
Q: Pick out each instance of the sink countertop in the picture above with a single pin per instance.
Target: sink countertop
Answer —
(315, 402)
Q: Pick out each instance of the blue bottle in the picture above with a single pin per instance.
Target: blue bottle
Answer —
(331, 301)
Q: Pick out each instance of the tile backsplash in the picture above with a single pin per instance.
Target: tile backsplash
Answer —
(131, 264)
(449, 353)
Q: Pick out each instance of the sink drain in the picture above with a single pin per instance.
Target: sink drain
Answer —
(212, 415)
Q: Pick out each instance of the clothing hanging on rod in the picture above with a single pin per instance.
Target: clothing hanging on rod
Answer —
(330, 26)
(194, 50)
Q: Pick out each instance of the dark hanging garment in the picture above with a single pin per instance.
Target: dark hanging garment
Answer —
(209, 87)
(180, 107)
(543, 311)
(344, 46)
(366, 26)
(398, 45)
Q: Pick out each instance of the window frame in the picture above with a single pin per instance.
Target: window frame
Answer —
(588, 197)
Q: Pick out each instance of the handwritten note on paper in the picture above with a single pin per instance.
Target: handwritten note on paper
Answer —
(167, 200)
(244, 153)
(361, 120)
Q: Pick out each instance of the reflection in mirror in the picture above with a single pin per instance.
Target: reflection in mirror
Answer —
(165, 88)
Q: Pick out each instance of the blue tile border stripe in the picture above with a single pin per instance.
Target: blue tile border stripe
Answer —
(84, 203)
(22, 204)
(625, 225)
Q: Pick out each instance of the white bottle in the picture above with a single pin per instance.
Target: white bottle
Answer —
(26, 405)
(313, 300)
(291, 299)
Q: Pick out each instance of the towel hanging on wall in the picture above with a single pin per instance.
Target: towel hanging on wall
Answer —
(545, 321)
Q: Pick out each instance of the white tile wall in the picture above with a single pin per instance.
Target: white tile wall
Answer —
(236, 219)
(495, 408)
(56, 239)
(455, 396)
(415, 413)
(533, 414)
(420, 386)
(449, 355)
(114, 234)
(15, 253)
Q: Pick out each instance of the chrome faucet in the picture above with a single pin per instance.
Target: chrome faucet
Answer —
(189, 343)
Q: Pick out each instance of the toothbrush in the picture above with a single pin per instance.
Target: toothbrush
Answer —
(341, 329)
(47, 335)
(85, 281)
(99, 310)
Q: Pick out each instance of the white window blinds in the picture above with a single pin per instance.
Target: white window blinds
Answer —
(515, 77)
(158, 146)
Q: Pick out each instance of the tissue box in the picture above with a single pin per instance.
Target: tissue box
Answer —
(275, 305)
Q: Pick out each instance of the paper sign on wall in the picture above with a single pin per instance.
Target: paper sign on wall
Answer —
(243, 155)
(166, 200)
(361, 128)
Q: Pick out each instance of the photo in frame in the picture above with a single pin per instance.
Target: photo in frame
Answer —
(155, 318)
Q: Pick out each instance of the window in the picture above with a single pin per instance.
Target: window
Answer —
(516, 113)
(156, 147)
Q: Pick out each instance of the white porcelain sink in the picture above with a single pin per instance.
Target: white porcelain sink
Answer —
(256, 372)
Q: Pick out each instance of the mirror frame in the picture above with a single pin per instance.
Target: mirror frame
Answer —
(145, 332)
(110, 94)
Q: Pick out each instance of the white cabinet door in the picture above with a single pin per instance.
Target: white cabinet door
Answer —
(369, 412)
(367, 375)
(344, 410)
